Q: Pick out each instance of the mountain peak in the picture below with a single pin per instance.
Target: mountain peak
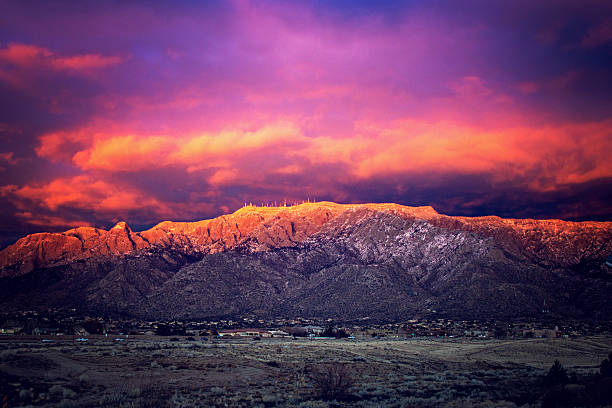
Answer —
(121, 226)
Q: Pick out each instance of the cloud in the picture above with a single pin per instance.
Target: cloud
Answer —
(537, 155)
(542, 158)
(50, 221)
(85, 192)
(9, 158)
(34, 57)
(92, 149)
(598, 35)
(125, 153)
(34, 68)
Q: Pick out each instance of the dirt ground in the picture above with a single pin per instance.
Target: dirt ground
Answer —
(157, 372)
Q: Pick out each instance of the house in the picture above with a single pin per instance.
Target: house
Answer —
(245, 333)
(11, 330)
(476, 333)
(279, 333)
(316, 330)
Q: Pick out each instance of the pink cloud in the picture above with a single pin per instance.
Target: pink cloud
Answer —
(9, 157)
(528, 87)
(32, 56)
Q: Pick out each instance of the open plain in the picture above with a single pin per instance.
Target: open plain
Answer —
(142, 371)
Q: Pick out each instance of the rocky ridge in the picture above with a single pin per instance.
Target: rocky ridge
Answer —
(318, 259)
(266, 228)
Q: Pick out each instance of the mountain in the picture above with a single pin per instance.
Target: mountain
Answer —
(383, 261)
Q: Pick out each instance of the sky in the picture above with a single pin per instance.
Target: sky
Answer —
(151, 111)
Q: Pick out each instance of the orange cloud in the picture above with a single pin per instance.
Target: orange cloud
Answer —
(237, 142)
(125, 153)
(543, 157)
(555, 155)
(92, 150)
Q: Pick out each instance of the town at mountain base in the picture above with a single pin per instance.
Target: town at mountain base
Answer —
(378, 261)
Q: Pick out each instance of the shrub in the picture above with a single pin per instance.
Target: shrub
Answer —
(56, 389)
(65, 403)
(606, 366)
(332, 382)
(25, 395)
(556, 375)
(559, 396)
(153, 395)
(114, 399)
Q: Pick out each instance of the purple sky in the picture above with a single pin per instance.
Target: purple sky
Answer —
(185, 110)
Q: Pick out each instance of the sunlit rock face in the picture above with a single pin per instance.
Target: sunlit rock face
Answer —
(319, 259)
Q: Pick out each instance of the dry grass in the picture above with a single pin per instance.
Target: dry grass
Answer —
(291, 373)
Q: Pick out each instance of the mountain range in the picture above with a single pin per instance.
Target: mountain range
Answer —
(345, 261)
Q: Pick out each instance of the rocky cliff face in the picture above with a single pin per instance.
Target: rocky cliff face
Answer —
(321, 259)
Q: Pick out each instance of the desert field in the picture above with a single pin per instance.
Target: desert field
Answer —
(145, 371)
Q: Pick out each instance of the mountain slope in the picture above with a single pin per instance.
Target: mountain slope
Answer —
(330, 260)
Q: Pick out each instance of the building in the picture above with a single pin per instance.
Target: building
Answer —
(245, 333)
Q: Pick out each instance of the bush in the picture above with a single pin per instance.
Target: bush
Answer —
(332, 382)
(556, 375)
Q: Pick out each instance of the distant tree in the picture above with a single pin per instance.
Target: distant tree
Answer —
(341, 334)
(169, 330)
(93, 326)
(179, 330)
(332, 332)
(500, 332)
(556, 375)
(606, 366)
(163, 330)
(297, 331)
(328, 332)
